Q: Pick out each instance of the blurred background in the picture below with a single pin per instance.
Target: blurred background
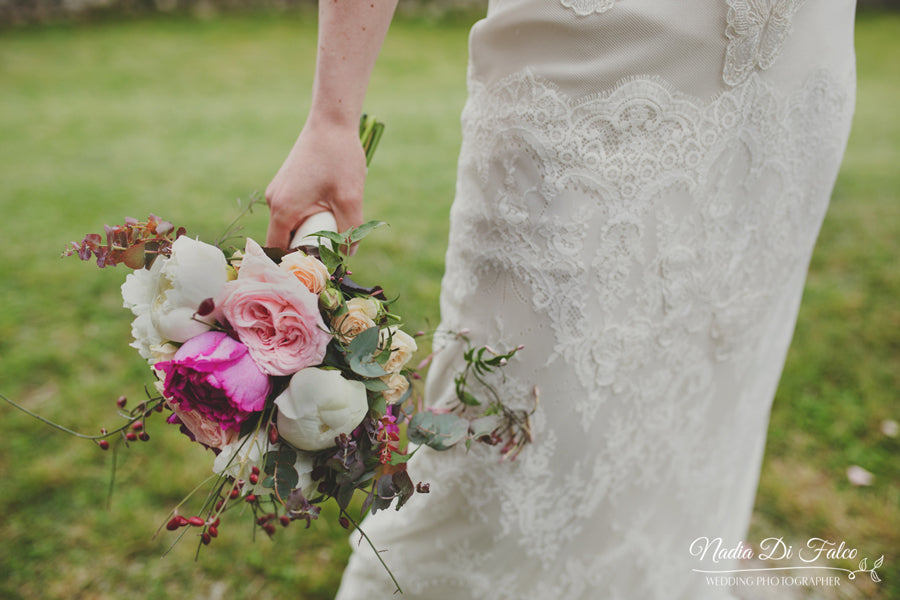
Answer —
(114, 108)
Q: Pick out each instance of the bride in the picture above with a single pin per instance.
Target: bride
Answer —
(640, 186)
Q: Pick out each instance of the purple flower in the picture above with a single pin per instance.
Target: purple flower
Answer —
(214, 375)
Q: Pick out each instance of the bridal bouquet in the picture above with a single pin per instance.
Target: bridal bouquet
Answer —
(296, 378)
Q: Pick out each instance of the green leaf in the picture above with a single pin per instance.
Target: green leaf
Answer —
(467, 398)
(364, 343)
(365, 229)
(378, 404)
(331, 259)
(399, 459)
(361, 354)
(280, 465)
(440, 432)
(329, 235)
(375, 385)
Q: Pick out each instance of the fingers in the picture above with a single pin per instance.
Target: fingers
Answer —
(278, 235)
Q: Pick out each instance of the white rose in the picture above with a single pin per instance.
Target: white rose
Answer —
(403, 346)
(318, 406)
(165, 298)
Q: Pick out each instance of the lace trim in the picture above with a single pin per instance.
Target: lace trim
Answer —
(757, 31)
(587, 7)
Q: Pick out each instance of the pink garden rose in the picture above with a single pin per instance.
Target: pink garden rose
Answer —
(214, 375)
(274, 315)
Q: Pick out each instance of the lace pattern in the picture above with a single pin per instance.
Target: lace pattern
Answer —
(757, 30)
(649, 249)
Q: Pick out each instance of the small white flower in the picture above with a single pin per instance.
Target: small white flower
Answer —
(890, 428)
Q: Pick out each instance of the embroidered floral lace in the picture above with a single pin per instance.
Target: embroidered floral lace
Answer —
(649, 248)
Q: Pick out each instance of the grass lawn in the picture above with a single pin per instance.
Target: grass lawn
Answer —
(180, 118)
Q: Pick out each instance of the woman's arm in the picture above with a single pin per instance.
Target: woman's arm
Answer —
(326, 168)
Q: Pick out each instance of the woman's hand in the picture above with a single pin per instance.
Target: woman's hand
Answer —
(324, 171)
(326, 168)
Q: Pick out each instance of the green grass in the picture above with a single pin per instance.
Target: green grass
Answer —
(180, 118)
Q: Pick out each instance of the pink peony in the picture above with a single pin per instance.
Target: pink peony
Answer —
(214, 375)
(274, 315)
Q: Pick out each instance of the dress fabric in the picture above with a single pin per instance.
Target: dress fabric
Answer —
(640, 186)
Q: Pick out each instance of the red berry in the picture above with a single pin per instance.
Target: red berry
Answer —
(213, 531)
(206, 539)
(269, 528)
(103, 431)
(345, 522)
(144, 436)
(173, 524)
(181, 521)
(137, 425)
(234, 493)
(273, 434)
(121, 402)
(219, 505)
(254, 478)
(255, 470)
(104, 445)
(215, 523)
(196, 522)
(131, 436)
(285, 520)
(251, 498)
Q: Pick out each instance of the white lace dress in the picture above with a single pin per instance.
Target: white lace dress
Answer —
(641, 183)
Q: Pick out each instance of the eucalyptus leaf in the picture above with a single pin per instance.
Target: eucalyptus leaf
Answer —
(440, 432)
(375, 385)
(366, 366)
(365, 343)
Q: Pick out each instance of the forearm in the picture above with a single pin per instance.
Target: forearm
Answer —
(351, 33)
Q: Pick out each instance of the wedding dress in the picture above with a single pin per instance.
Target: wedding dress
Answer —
(641, 183)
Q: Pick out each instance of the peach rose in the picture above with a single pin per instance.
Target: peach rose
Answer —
(361, 314)
(274, 315)
(397, 386)
(309, 270)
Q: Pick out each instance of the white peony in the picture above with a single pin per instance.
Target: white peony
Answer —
(165, 298)
(318, 406)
